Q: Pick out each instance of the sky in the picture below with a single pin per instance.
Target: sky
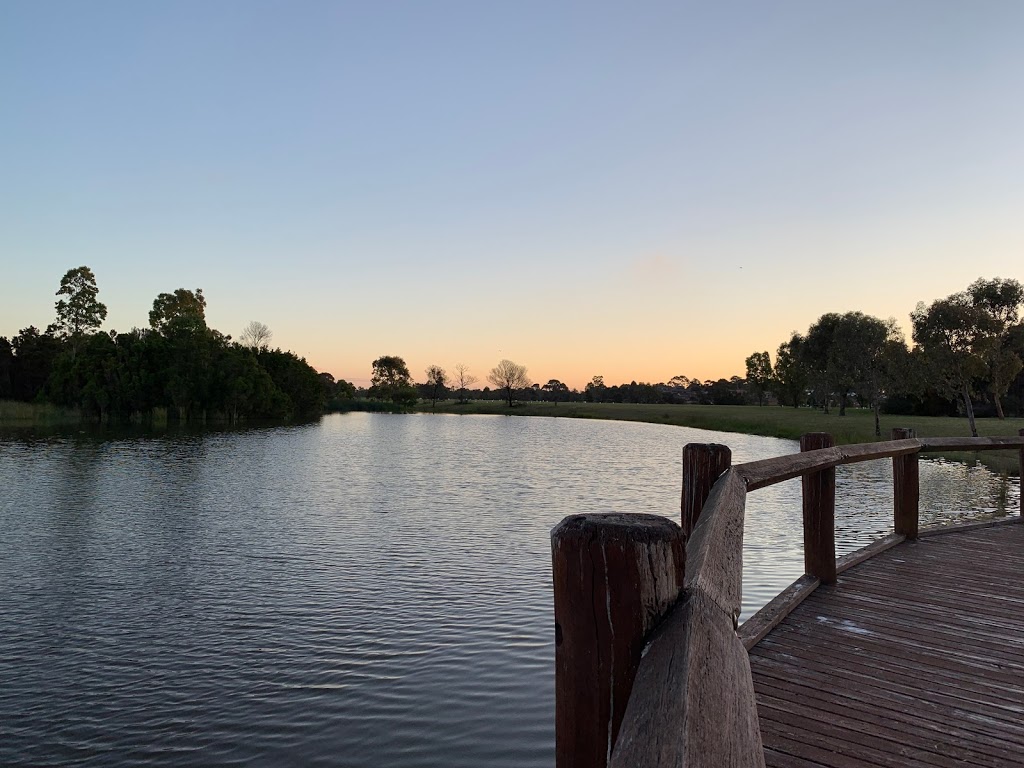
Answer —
(633, 190)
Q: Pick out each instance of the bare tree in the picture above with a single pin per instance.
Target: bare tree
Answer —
(463, 380)
(508, 376)
(257, 336)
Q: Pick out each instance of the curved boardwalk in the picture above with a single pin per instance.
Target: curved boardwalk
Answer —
(913, 658)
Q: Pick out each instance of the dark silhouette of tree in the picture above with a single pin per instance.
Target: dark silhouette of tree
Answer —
(759, 374)
(555, 391)
(437, 384)
(80, 312)
(594, 392)
(954, 337)
(1001, 301)
(790, 372)
(391, 381)
(34, 356)
(820, 359)
(183, 308)
(508, 376)
(868, 357)
(6, 366)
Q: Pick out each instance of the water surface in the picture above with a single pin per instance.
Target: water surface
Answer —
(371, 590)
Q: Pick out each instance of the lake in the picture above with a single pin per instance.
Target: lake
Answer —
(370, 590)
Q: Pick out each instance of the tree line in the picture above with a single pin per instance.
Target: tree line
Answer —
(178, 365)
(966, 356)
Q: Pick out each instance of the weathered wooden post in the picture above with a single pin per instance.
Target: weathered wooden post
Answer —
(819, 495)
(1020, 459)
(906, 487)
(615, 577)
(703, 464)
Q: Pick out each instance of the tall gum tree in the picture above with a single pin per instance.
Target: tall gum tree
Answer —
(954, 337)
(759, 374)
(392, 381)
(1001, 301)
(79, 311)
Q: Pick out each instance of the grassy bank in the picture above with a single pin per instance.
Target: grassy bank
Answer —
(17, 414)
(857, 426)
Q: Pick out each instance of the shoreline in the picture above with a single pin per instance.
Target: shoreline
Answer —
(857, 426)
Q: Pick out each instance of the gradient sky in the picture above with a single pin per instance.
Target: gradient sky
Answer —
(635, 190)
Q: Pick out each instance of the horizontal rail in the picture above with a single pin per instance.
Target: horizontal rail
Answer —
(929, 444)
(760, 474)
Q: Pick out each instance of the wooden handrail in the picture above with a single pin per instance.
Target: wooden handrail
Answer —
(692, 702)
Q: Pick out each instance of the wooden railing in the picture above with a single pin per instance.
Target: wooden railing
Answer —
(651, 666)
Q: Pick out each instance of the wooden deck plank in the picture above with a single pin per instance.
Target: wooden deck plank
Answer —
(884, 718)
(967, 705)
(913, 658)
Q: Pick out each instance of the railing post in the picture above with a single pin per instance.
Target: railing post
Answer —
(906, 487)
(819, 494)
(1020, 459)
(615, 577)
(703, 464)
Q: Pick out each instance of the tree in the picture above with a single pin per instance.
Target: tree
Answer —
(6, 366)
(814, 354)
(556, 390)
(81, 311)
(463, 380)
(595, 390)
(870, 353)
(1000, 300)
(391, 381)
(437, 384)
(256, 336)
(509, 377)
(954, 337)
(790, 372)
(34, 356)
(183, 307)
(759, 374)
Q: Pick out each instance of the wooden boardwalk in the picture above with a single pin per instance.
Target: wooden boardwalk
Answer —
(913, 658)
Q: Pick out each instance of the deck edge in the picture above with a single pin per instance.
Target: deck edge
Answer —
(754, 629)
(876, 547)
(935, 530)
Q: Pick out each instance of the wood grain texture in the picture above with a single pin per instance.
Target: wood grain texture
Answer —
(877, 546)
(970, 443)
(906, 486)
(615, 577)
(939, 529)
(714, 553)
(693, 703)
(760, 474)
(765, 620)
(703, 464)
(819, 513)
(924, 663)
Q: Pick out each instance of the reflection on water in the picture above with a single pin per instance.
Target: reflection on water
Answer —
(370, 590)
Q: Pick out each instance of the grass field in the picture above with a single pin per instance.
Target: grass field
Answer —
(857, 426)
(14, 413)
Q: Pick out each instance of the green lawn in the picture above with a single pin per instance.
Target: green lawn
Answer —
(857, 426)
(14, 413)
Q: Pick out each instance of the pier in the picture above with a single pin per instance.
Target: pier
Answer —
(909, 652)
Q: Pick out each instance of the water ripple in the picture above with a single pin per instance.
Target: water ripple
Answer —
(368, 591)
